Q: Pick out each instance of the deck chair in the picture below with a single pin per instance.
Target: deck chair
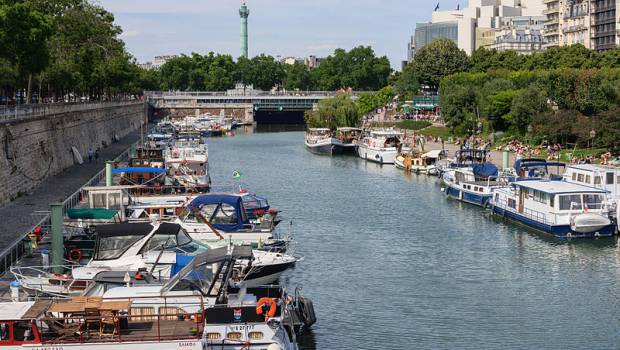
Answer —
(91, 316)
(107, 321)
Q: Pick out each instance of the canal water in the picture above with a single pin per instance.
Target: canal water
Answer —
(390, 263)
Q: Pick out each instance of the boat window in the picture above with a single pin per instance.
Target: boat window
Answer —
(512, 203)
(568, 202)
(598, 180)
(481, 189)
(22, 331)
(225, 215)
(610, 178)
(588, 179)
(114, 247)
(574, 176)
(4, 332)
(580, 177)
(592, 201)
(540, 197)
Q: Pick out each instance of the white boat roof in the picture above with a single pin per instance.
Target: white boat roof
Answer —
(349, 129)
(319, 129)
(386, 132)
(14, 310)
(432, 154)
(593, 167)
(557, 187)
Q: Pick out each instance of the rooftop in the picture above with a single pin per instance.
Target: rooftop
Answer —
(557, 187)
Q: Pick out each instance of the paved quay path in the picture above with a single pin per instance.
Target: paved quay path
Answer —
(18, 216)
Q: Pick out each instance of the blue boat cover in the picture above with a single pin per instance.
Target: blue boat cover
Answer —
(139, 170)
(219, 199)
(181, 262)
(484, 170)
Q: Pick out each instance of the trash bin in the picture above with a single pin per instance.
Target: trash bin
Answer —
(45, 258)
(15, 291)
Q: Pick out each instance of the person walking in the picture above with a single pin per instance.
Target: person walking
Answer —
(90, 154)
(97, 155)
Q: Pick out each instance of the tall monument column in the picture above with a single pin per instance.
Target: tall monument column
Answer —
(244, 12)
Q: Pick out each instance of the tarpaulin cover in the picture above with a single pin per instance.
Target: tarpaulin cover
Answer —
(484, 170)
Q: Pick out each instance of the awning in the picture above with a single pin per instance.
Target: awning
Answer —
(91, 213)
(432, 154)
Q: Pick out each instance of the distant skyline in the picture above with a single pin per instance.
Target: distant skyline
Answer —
(276, 27)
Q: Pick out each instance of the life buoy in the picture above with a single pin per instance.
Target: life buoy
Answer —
(263, 302)
(74, 254)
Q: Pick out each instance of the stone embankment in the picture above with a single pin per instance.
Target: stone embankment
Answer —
(37, 142)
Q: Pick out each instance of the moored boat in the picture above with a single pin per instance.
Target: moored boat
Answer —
(557, 207)
(349, 137)
(381, 146)
(320, 141)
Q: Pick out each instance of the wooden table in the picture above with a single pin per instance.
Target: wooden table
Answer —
(115, 306)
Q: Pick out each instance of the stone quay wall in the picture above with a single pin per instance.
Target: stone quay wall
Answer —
(37, 141)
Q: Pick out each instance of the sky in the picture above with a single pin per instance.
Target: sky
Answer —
(285, 28)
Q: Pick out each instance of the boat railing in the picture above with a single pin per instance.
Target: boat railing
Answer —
(531, 214)
(16, 249)
(155, 318)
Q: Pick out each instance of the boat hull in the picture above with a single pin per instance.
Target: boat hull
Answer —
(381, 156)
(461, 195)
(562, 231)
(325, 149)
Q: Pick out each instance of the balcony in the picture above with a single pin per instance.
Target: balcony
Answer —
(576, 28)
(551, 10)
(600, 34)
(552, 21)
(604, 8)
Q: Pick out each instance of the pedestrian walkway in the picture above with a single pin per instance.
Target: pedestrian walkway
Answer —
(20, 215)
(496, 156)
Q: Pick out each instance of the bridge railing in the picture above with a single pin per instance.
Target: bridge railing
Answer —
(22, 112)
(203, 94)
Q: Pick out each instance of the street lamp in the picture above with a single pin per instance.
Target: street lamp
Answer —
(592, 136)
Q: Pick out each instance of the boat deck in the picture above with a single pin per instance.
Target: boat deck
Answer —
(153, 330)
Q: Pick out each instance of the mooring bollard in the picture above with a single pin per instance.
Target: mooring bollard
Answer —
(45, 258)
(108, 173)
(15, 291)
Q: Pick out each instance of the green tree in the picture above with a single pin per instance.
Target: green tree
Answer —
(527, 103)
(298, 77)
(338, 111)
(367, 102)
(407, 84)
(358, 69)
(25, 32)
(439, 59)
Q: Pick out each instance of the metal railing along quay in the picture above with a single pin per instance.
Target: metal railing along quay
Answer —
(17, 248)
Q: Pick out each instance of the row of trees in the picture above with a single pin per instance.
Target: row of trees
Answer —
(358, 69)
(63, 49)
(560, 94)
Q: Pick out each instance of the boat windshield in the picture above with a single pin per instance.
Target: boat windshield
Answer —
(199, 278)
(114, 246)
(167, 241)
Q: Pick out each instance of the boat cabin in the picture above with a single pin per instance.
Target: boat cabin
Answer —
(535, 168)
(347, 135)
(599, 176)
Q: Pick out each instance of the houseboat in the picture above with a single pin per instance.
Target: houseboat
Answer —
(381, 146)
(321, 141)
(349, 138)
(560, 208)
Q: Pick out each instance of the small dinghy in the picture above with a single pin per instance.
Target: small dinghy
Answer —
(589, 222)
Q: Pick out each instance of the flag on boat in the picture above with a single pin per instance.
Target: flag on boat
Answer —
(236, 174)
(437, 7)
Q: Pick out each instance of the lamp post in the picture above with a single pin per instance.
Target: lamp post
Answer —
(592, 136)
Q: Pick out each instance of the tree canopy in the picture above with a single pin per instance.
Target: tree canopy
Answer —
(335, 112)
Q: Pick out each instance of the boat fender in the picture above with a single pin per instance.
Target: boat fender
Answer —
(569, 235)
(262, 304)
(597, 235)
(75, 254)
(307, 311)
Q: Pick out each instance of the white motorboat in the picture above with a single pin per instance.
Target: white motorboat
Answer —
(381, 146)
(160, 249)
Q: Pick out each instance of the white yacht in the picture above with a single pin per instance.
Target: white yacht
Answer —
(381, 146)
(187, 162)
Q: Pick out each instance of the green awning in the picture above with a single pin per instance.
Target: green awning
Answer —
(91, 213)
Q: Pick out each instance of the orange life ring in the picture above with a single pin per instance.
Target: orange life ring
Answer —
(74, 254)
(266, 301)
